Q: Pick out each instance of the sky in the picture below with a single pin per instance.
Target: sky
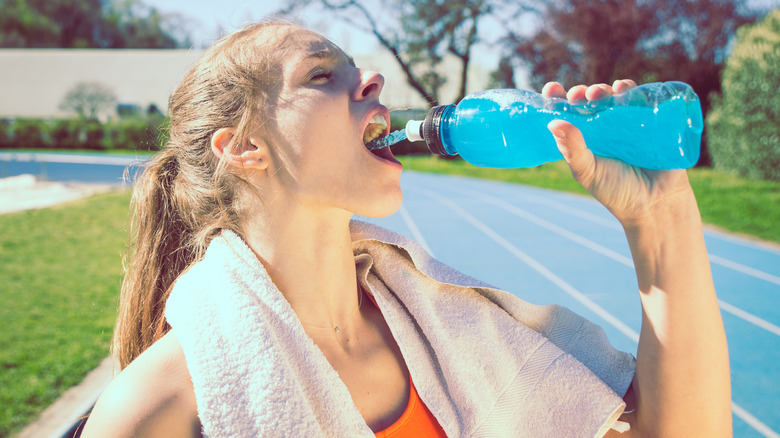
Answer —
(229, 15)
(209, 16)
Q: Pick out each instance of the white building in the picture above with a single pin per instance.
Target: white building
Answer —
(33, 82)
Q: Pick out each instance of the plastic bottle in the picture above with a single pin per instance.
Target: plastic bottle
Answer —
(653, 126)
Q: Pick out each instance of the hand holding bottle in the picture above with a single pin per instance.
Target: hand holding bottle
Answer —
(678, 378)
(629, 192)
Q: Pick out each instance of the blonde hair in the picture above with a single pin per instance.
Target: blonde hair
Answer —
(185, 196)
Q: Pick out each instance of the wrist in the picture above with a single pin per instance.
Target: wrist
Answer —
(667, 243)
(675, 211)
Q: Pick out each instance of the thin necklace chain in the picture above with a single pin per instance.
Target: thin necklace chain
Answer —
(336, 328)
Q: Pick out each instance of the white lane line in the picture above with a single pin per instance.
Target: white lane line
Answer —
(754, 245)
(613, 224)
(747, 270)
(620, 258)
(415, 231)
(766, 325)
(609, 222)
(746, 416)
(541, 269)
(753, 422)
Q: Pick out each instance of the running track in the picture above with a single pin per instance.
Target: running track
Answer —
(550, 247)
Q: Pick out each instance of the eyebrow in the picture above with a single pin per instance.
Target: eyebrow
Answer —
(330, 54)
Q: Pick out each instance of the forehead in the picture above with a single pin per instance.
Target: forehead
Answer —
(301, 44)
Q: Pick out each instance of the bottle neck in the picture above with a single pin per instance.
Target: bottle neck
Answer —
(432, 129)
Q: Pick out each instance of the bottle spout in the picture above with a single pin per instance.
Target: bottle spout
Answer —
(414, 130)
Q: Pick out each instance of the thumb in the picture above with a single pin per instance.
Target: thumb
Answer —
(571, 144)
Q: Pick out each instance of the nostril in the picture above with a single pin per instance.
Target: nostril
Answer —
(370, 89)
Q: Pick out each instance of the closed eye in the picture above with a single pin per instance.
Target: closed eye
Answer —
(319, 75)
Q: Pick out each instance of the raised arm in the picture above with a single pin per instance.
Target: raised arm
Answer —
(682, 384)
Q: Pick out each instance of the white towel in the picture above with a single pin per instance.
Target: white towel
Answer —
(484, 362)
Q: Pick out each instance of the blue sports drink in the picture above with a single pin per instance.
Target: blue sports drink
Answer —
(653, 126)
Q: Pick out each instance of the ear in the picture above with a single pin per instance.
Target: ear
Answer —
(252, 153)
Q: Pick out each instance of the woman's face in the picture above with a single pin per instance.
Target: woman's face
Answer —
(323, 110)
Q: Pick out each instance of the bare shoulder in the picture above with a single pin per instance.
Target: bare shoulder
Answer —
(153, 396)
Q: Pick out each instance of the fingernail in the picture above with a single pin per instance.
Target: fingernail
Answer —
(560, 141)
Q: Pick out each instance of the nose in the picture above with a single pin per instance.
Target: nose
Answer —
(370, 85)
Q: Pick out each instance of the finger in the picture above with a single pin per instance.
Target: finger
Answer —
(553, 89)
(623, 85)
(572, 146)
(576, 93)
(598, 91)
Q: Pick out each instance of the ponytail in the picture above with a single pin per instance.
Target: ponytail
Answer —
(160, 251)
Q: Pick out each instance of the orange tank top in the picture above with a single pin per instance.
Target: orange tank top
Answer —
(416, 421)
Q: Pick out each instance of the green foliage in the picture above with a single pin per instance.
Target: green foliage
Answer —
(112, 24)
(94, 133)
(21, 25)
(593, 41)
(67, 133)
(132, 133)
(5, 133)
(31, 134)
(61, 269)
(141, 134)
(744, 125)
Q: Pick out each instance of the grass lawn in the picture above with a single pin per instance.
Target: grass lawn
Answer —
(61, 270)
(735, 204)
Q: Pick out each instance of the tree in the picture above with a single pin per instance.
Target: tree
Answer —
(744, 124)
(23, 26)
(88, 24)
(89, 100)
(589, 41)
(419, 33)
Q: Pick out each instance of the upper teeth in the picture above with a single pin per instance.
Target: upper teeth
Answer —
(375, 128)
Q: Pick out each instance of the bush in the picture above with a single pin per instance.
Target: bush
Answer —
(744, 124)
(93, 135)
(147, 133)
(5, 134)
(66, 134)
(135, 134)
(31, 134)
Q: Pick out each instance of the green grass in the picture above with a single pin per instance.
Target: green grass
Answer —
(739, 205)
(61, 271)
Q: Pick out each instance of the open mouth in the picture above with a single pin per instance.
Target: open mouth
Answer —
(377, 128)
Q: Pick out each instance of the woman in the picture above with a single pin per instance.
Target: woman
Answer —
(265, 166)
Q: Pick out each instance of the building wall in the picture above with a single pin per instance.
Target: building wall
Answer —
(33, 82)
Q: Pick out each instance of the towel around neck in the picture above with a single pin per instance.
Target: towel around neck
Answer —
(485, 363)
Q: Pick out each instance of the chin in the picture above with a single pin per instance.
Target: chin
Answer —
(384, 206)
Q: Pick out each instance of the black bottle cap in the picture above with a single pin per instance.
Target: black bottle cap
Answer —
(431, 130)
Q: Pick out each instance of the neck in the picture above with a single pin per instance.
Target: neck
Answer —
(309, 258)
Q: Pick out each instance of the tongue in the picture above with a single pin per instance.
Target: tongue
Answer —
(385, 154)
